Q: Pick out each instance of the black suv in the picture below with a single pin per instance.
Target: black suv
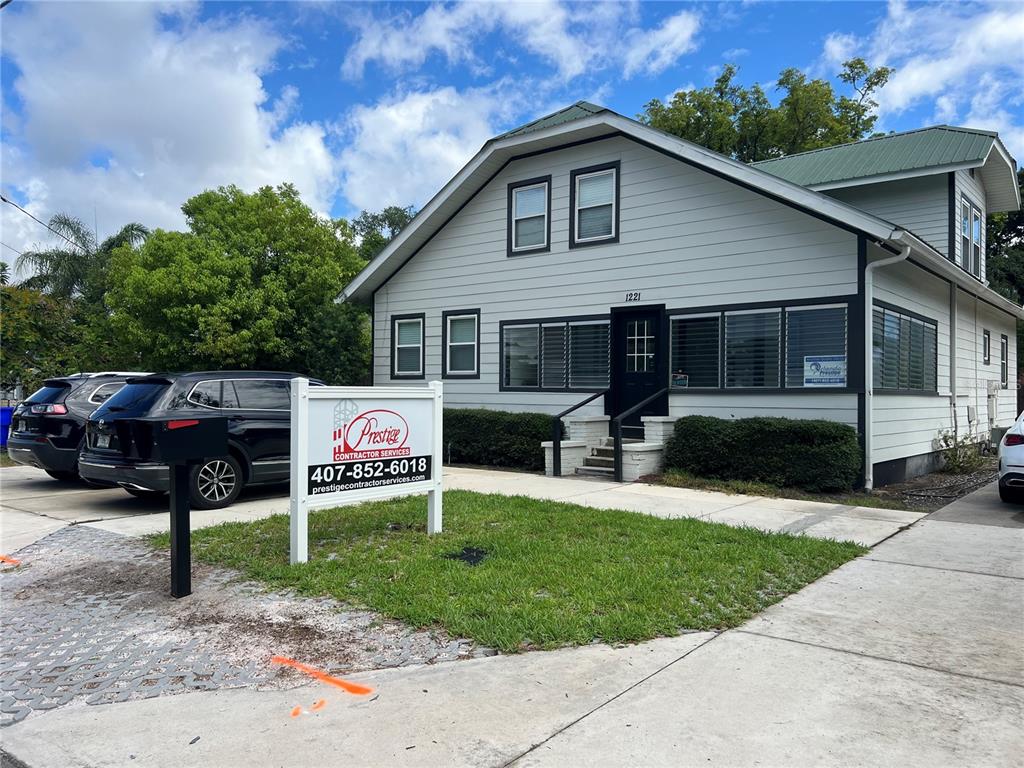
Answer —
(257, 404)
(48, 429)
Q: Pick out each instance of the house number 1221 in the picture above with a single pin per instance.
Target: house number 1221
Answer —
(632, 295)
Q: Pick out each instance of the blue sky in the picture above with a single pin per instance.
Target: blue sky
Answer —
(120, 111)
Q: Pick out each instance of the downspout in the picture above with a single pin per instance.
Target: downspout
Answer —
(869, 360)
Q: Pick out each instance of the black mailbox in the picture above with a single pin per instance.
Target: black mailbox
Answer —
(181, 443)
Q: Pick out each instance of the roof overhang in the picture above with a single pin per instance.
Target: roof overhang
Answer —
(498, 152)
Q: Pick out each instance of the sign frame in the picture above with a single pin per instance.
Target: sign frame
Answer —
(301, 502)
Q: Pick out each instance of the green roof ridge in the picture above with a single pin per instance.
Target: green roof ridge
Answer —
(575, 111)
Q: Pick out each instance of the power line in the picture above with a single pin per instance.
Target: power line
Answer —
(58, 234)
(5, 245)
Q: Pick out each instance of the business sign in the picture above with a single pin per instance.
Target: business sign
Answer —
(357, 443)
(825, 371)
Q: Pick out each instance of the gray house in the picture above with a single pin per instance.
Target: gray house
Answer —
(587, 254)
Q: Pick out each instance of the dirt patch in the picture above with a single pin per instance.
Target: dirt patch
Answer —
(928, 493)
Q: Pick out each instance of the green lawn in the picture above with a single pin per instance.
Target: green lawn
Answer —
(554, 574)
(6, 460)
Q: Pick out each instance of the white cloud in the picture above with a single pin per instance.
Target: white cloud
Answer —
(405, 148)
(164, 104)
(735, 53)
(955, 56)
(574, 39)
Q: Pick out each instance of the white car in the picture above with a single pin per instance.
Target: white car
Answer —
(1011, 463)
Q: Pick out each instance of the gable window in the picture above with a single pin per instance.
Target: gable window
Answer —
(694, 349)
(461, 343)
(753, 348)
(816, 346)
(1004, 361)
(555, 355)
(905, 351)
(986, 348)
(407, 346)
(972, 227)
(594, 200)
(529, 215)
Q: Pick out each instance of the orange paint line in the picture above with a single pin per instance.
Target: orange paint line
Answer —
(323, 677)
(296, 711)
(319, 704)
(10, 560)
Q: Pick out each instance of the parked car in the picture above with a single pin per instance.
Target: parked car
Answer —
(48, 428)
(257, 404)
(1011, 463)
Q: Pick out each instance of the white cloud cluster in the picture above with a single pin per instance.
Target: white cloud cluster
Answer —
(128, 109)
(964, 59)
(574, 39)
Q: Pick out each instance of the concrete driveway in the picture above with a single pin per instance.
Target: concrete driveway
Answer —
(912, 655)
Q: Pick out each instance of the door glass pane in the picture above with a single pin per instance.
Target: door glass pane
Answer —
(462, 330)
(816, 347)
(595, 222)
(640, 345)
(522, 356)
(263, 394)
(695, 352)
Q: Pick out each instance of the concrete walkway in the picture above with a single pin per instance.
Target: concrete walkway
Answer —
(33, 505)
(912, 655)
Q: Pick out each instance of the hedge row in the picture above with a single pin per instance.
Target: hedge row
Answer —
(495, 438)
(815, 455)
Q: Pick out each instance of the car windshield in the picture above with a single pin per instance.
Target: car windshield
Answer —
(132, 399)
(49, 393)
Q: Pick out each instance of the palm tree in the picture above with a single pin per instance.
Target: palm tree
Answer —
(64, 271)
(5, 273)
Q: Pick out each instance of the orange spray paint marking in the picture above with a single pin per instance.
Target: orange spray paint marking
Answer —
(319, 704)
(296, 711)
(323, 677)
(9, 560)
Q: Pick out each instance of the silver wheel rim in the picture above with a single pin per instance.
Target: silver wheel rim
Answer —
(216, 480)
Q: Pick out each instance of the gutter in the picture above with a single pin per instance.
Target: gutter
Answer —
(869, 359)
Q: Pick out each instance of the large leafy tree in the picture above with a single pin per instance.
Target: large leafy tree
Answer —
(251, 284)
(743, 123)
(376, 229)
(38, 337)
(1005, 258)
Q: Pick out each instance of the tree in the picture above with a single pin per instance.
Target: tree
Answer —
(375, 230)
(252, 284)
(71, 271)
(1004, 266)
(38, 334)
(5, 273)
(742, 122)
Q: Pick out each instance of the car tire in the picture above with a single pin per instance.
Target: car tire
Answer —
(215, 483)
(1010, 495)
(145, 493)
(64, 477)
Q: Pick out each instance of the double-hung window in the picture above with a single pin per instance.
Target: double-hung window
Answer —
(972, 226)
(986, 348)
(555, 355)
(407, 346)
(529, 216)
(594, 196)
(753, 348)
(1004, 361)
(461, 344)
(904, 351)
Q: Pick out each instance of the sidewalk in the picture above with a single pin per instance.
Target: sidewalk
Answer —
(912, 655)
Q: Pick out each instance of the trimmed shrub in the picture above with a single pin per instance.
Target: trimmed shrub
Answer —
(495, 438)
(815, 455)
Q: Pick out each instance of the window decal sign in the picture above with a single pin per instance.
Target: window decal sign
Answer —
(825, 371)
(356, 443)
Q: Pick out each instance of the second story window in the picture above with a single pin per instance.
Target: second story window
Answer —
(595, 205)
(972, 227)
(529, 216)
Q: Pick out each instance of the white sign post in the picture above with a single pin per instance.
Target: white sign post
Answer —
(357, 443)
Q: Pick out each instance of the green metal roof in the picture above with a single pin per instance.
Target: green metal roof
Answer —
(573, 112)
(941, 145)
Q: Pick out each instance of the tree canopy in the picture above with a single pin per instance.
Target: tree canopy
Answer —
(375, 230)
(743, 123)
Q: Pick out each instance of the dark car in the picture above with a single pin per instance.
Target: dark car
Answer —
(48, 428)
(258, 407)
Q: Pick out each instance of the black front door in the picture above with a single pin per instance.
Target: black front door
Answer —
(639, 362)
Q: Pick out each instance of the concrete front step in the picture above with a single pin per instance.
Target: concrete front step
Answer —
(599, 461)
(610, 443)
(595, 471)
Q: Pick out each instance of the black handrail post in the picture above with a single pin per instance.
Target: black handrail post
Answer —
(556, 446)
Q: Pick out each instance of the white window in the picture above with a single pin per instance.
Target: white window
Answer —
(461, 344)
(408, 340)
(595, 214)
(976, 229)
(530, 217)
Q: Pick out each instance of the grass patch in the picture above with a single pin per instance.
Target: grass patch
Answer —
(678, 479)
(553, 574)
(6, 460)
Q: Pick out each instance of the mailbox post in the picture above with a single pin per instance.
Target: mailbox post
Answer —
(183, 443)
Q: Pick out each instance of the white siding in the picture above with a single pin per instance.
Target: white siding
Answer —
(920, 205)
(838, 407)
(974, 191)
(687, 239)
(978, 385)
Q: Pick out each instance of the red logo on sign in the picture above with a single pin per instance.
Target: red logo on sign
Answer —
(378, 434)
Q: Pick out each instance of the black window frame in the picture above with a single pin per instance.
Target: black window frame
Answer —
(541, 323)
(395, 320)
(511, 250)
(1004, 361)
(615, 166)
(908, 315)
(986, 347)
(672, 320)
(456, 313)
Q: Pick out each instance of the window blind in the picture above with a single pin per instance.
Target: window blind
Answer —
(812, 334)
(695, 351)
(752, 357)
